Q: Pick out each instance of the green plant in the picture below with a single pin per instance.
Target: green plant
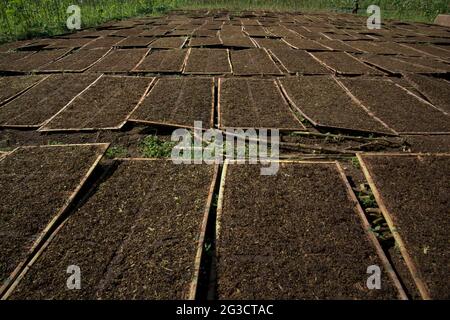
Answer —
(116, 152)
(162, 6)
(20, 19)
(381, 232)
(368, 201)
(355, 163)
(305, 122)
(300, 117)
(208, 248)
(153, 147)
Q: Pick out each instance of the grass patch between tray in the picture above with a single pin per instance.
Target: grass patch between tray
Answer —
(153, 147)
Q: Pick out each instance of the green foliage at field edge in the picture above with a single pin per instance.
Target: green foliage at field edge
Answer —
(153, 147)
(22, 19)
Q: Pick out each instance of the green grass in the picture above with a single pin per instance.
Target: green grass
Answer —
(153, 147)
(367, 201)
(116, 152)
(21, 19)
(355, 163)
(411, 10)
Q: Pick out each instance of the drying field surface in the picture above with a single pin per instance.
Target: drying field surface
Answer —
(30, 202)
(86, 178)
(46, 99)
(106, 103)
(178, 102)
(254, 103)
(147, 237)
(325, 103)
(298, 250)
(416, 204)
